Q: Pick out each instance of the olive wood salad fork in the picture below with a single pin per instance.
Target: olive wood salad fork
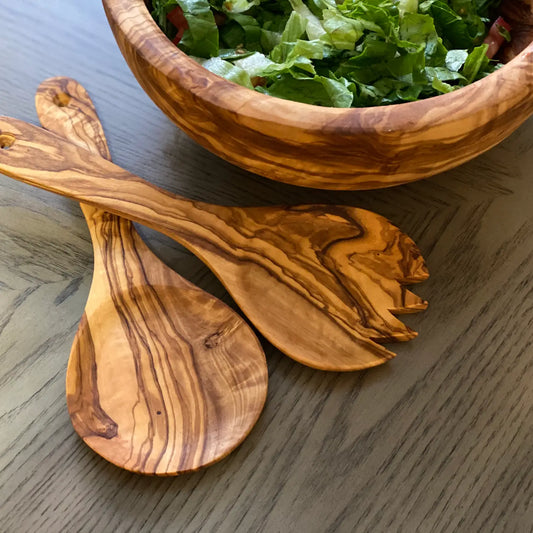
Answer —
(322, 283)
(163, 378)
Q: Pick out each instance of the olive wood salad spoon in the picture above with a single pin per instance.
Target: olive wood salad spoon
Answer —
(322, 283)
(163, 378)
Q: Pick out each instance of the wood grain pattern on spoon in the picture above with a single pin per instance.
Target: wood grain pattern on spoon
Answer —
(163, 378)
(320, 282)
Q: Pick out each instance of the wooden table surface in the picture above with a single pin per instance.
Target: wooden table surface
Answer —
(439, 439)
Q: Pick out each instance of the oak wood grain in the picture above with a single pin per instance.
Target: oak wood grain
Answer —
(437, 440)
(316, 146)
(162, 378)
(320, 282)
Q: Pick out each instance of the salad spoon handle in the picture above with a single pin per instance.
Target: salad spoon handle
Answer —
(162, 378)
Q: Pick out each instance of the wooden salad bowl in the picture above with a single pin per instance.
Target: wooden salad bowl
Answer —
(322, 147)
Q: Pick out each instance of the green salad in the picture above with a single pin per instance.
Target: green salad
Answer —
(355, 53)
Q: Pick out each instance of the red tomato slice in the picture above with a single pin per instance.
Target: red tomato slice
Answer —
(494, 38)
(177, 18)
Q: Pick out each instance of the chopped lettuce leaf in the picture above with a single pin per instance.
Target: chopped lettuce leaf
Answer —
(337, 53)
(318, 91)
(314, 28)
(228, 70)
(476, 63)
(455, 59)
(201, 37)
(238, 6)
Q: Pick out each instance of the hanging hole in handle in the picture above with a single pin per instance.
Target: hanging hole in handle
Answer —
(62, 99)
(6, 141)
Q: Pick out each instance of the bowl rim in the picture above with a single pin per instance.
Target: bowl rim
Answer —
(152, 45)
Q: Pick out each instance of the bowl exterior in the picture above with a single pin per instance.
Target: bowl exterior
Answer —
(320, 147)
